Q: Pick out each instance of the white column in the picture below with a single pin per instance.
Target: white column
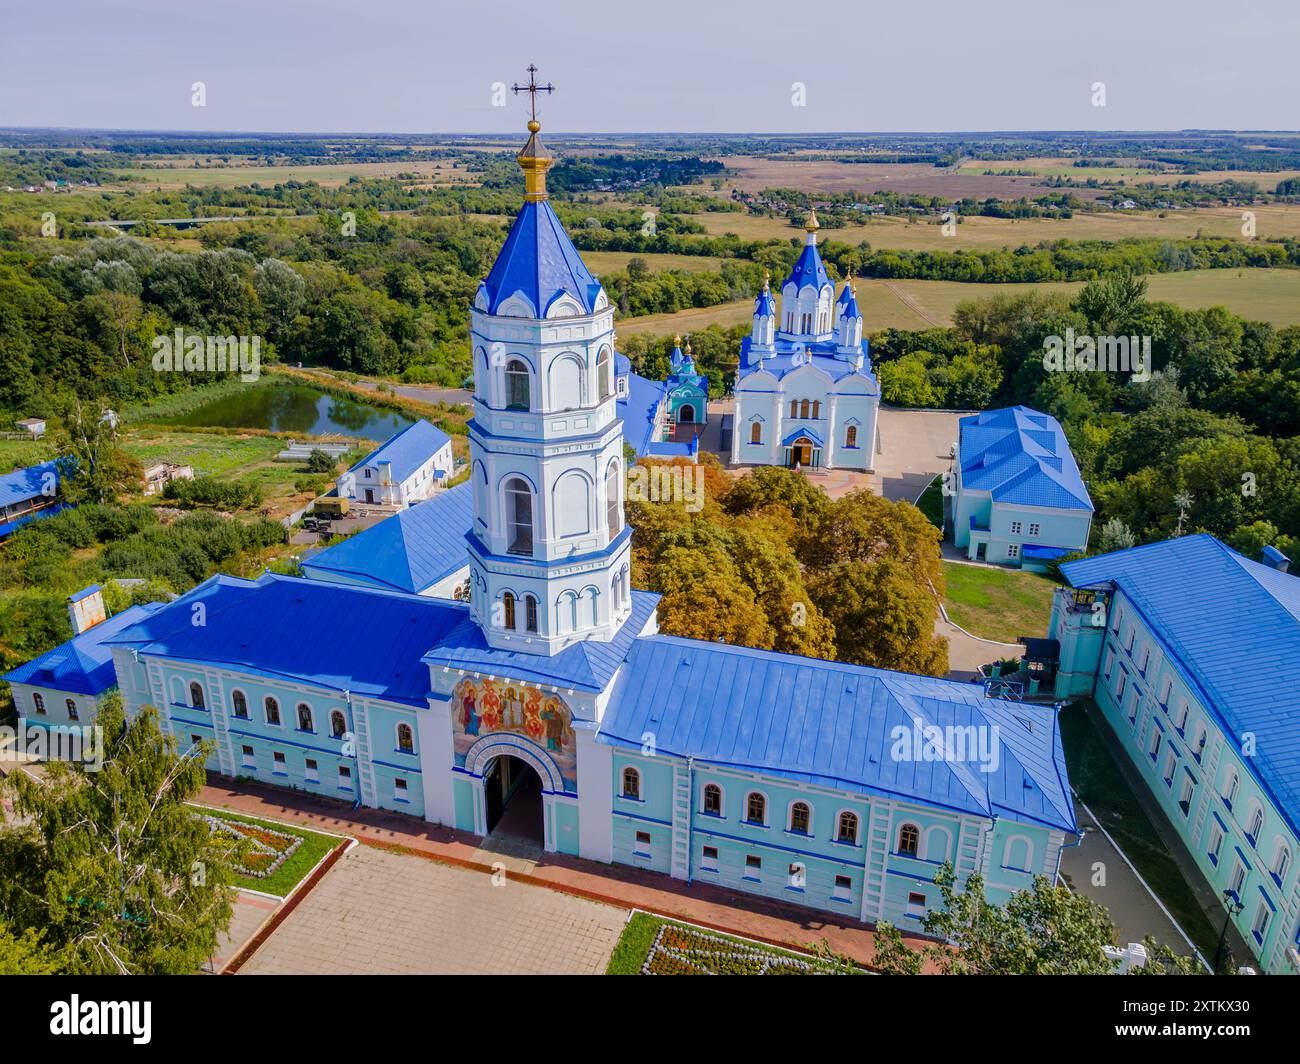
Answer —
(832, 428)
(437, 757)
(595, 795)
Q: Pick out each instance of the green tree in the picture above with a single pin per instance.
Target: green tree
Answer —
(115, 867)
(94, 467)
(25, 954)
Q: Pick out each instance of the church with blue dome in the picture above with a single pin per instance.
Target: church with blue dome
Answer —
(805, 395)
(547, 703)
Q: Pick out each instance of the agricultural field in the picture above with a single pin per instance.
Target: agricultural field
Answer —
(602, 262)
(925, 234)
(328, 175)
(1265, 295)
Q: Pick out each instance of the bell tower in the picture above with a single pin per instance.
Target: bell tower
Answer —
(549, 550)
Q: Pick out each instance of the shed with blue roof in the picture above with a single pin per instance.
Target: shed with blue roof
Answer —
(28, 494)
(1017, 496)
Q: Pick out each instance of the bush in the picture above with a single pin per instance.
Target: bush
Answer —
(208, 491)
(320, 462)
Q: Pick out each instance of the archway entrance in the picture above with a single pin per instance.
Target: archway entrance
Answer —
(803, 453)
(686, 414)
(513, 791)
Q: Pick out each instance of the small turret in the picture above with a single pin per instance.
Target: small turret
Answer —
(763, 335)
(848, 325)
(675, 359)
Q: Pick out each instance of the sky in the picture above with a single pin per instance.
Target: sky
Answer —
(410, 66)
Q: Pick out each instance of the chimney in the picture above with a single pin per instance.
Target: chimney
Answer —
(86, 609)
(1275, 559)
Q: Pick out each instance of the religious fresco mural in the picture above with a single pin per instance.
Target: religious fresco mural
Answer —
(482, 707)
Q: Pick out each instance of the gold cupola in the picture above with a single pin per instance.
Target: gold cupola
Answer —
(534, 160)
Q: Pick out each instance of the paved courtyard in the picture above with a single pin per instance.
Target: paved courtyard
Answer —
(382, 913)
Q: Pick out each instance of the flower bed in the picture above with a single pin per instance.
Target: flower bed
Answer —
(269, 850)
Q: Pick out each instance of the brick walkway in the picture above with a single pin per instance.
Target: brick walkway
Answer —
(618, 885)
(382, 913)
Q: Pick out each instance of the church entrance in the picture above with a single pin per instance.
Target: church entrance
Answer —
(686, 414)
(514, 799)
(803, 453)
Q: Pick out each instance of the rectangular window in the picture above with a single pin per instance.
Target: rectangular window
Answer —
(1216, 844)
(1013, 550)
(1034, 528)
(312, 772)
(1238, 879)
(753, 866)
(195, 740)
(1185, 797)
(843, 888)
(249, 760)
(1171, 762)
(399, 790)
(1015, 528)
(643, 843)
(916, 905)
(710, 860)
(345, 778)
(278, 766)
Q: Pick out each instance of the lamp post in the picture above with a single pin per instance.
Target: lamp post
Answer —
(1232, 905)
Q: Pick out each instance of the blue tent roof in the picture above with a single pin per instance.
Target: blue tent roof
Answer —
(1020, 456)
(808, 269)
(539, 261)
(848, 302)
(29, 483)
(1234, 627)
(332, 635)
(792, 355)
(764, 304)
(638, 410)
(586, 664)
(833, 724)
(409, 551)
(84, 664)
(407, 450)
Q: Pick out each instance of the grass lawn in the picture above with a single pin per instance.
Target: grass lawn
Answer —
(931, 502)
(685, 950)
(296, 868)
(1100, 783)
(996, 603)
(210, 453)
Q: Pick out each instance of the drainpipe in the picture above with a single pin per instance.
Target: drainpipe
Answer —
(690, 817)
(356, 747)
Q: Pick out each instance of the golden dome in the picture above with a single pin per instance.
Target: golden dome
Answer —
(534, 160)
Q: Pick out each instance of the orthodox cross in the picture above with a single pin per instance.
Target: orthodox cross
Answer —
(532, 88)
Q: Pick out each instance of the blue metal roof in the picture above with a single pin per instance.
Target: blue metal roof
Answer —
(407, 450)
(639, 410)
(29, 483)
(848, 302)
(1020, 456)
(808, 269)
(586, 664)
(764, 304)
(539, 261)
(409, 551)
(802, 432)
(1234, 627)
(345, 638)
(833, 724)
(792, 355)
(84, 664)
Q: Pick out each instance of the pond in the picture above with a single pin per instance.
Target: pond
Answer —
(294, 408)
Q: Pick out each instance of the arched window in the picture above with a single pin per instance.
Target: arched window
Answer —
(517, 390)
(196, 695)
(405, 739)
(338, 724)
(800, 817)
(72, 709)
(272, 708)
(794, 407)
(240, 704)
(631, 783)
(613, 511)
(604, 373)
(508, 610)
(851, 436)
(713, 799)
(755, 432)
(305, 723)
(1230, 792)
(1018, 853)
(38, 700)
(1256, 823)
(847, 829)
(909, 840)
(755, 808)
(530, 613)
(817, 409)
(519, 517)
(1281, 862)
(803, 408)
